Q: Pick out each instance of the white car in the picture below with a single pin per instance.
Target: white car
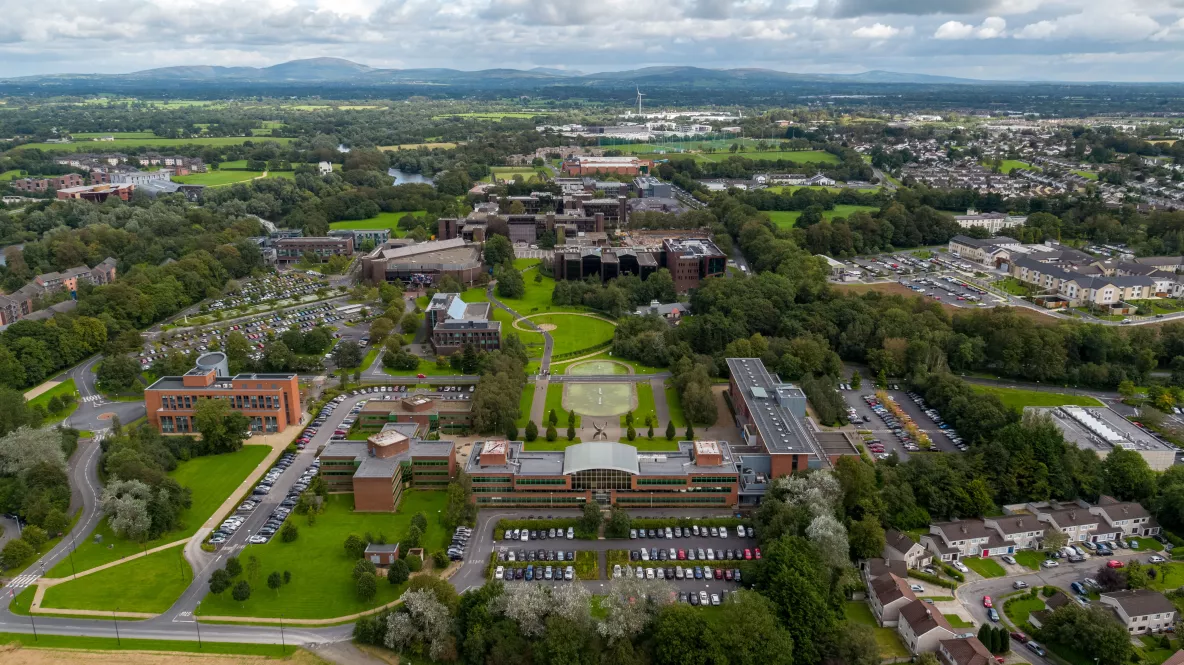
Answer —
(499, 573)
(1049, 563)
(257, 540)
(961, 567)
(1155, 558)
(616, 570)
(917, 588)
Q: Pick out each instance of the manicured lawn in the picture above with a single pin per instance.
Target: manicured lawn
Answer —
(10, 175)
(888, 639)
(536, 299)
(674, 406)
(64, 388)
(524, 404)
(322, 586)
(984, 567)
(211, 478)
(1018, 398)
(217, 178)
(1030, 559)
(638, 368)
(1009, 164)
(645, 407)
(118, 135)
(800, 156)
(554, 401)
(1087, 174)
(44, 641)
(523, 264)
(957, 621)
(148, 584)
(384, 220)
(426, 367)
(787, 218)
(1169, 577)
(509, 172)
(574, 332)
(1018, 609)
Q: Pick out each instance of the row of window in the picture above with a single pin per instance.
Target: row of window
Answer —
(530, 500)
(169, 424)
(661, 481)
(430, 462)
(714, 479)
(672, 498)
(189, 402)
(502, 480)
(541, 481)
(431, 473)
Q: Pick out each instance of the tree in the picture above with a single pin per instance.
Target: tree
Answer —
(35, 536)
(289, 532)
(15, 553)
(347, 354)
(1126, 388)
(367, 587)
(233, 567)
(856, 380)
(398, 572)
(118, 373)
(571, 433)
(241, 591)
(56, 522)
(511, 432)
(1127, 475)
(552, 418)
(551, 433)
(1054, 540)
(498, 250)
(222, 429)
(355, 547)
(532, 431)
(125, 503)
(857, 645)
(219, 581)
(287, 576)
(670, 431)
(792, 568)
(866, 538)
(650, 432)
(618, 523)
(425, 625)
(509, 282)
(275, 581)
(690, 432)
(591, 518)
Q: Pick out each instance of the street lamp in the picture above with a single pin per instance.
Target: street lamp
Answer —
(283, 646)
(197, 623)
(116, 621)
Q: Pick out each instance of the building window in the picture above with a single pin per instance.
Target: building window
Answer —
(661, 481)
(714, 479)
(601, 479)
(541, 481)
(166, 424)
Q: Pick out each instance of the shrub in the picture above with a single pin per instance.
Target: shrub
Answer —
(398, 572)
(414, 563)
(289, 532)
(233, 567)
(362, 567)
(933, 579)
(1048, 591)
(367, 587)
(953, 572)
(15, 552)
(440, 559)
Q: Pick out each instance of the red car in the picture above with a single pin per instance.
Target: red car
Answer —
(421, 376)
(757, 552)
(986, 601)
(682, 555)
(1114, 563)
(1019, 637)
(719, 573)
(747, 554)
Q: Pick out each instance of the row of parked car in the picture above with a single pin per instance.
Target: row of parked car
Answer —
(942, 425)
(677, 573)
(892, 423)
(694, 530)
(536, 555)
(690, 554)
(525, 535)
(460, 540)
(533, 573)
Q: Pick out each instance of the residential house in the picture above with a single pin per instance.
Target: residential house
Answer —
(950, 541)
(963, 651)
(888, 589)
(1077, 523)
(1025, 531)
(901, 547)
(1037, 617)
(1175, 659)
(1130, 518)
(922, 627)
(1141, 610)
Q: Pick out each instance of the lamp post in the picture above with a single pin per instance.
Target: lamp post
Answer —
(283, 646)
(116, 621)
(197, 623)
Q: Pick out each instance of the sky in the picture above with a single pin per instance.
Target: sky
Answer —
(1069, 40)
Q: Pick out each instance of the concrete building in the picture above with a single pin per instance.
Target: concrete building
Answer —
(964, 651)
(588, 165)
(701, 474)
(46, 184)
(900, 546)
(603, 262)
(21, 303)
(270, 401)
(378, 469)
(140, 177)
(452, 323)
(376, 236)
(293, 250)
(422, 264)
(648, 187)
(97, 193)
(993, 222)
(692, 261)
(431, 412)
(1102, 430)
(980, 251)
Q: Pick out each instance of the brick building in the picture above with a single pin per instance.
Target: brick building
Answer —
(46, 184)
(379, 469)
(271, 401)
(429, 412)
(690, 261)
(769, 414)
(292, 250)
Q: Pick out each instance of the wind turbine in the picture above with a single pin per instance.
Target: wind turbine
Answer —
(639, 96)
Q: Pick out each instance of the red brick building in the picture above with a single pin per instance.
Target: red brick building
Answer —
(270, 401)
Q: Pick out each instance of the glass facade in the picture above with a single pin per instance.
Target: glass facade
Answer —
(714, 479)
(529, 500)
(662, 481)
(541, 481)
(670, 499)
(601, 479)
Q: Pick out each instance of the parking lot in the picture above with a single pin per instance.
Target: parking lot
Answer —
(263, 529)
(951, 289)
(276, 286)
(870, 421)
(701, 565)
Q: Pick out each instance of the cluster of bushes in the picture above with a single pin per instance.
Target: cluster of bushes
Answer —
(997, 640)
(932, 579)
(953, 572)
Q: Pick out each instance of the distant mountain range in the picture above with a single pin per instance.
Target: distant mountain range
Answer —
(339, 71)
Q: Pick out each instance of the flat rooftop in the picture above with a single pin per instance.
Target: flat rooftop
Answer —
(1110, 430)
(768, 402)
(222, 382)
(602, 455)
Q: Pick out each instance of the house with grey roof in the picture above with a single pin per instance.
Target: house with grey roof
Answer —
(1141, 610)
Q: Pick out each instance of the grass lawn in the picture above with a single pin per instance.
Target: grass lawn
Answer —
(1169, 577)
(119, 144)
(426, 367)
(1087, 174)
(523, 264)
(1009, 164)
(555, 401)
(217, 178)
(1018, 609)
(211, 478)
(148, 584)
(645, 407)
(64, 388)
(888, 639)
(118, 135)
(638, 368)
(1018, 398)
(10, 175)
(799, 156)
(1030, 559)
(787, 218)
(984, 567)
(44, 641)
(322, 585)
(524, 404)
(509, 172)
(957, 621)
(576, 333)
(384, 220)
(536, 299)
(674, 406)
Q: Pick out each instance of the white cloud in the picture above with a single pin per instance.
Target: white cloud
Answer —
(877, 31)
(1095, 24)
(992, 27)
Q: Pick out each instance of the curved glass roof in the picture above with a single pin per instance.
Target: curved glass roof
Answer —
(600, 455)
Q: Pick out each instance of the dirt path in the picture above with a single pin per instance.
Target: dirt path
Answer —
(15, 654)
(43, 388)
(540, 326)
(54, 581)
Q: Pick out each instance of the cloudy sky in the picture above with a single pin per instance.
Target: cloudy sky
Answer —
(1079, 40)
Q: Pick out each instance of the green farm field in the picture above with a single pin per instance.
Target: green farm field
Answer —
(211, 478)
(787, 218)
(322, 586)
